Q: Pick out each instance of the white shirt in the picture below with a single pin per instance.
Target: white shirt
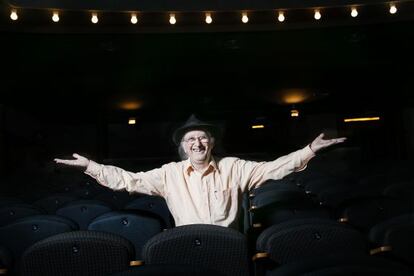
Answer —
(212, 197)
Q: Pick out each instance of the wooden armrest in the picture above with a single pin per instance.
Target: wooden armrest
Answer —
(136, 263)
(381, 249)
(3, 271)
(343, 220)
(259, 256)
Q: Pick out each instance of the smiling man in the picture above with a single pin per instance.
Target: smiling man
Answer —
(202, 188)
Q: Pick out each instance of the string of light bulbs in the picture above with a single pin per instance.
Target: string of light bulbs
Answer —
(280, 15)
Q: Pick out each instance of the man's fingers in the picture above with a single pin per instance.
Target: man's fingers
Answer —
(62, 161)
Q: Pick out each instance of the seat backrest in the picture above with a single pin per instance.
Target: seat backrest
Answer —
(22, 233)
(275, 184)
(214, 247)
(302, 238)
(53, 202)
(78, 253)
(4, 201)
(154, 204)
(341, 265)
(280, 198)
(397, 233)
(379, 232)
(16, 211)
(118, 199)
(365, 213)
(400, 190)
(137, 227)
(83, 211)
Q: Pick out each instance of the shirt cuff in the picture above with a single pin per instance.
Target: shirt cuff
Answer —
(308, 153)
(93, 168)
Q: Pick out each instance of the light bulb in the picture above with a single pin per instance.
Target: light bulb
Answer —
(281, 17)
(134, 18)
(172, 19)
(55, 16)
(209, 19)
(13, 15)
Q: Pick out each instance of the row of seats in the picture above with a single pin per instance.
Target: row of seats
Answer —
(297, 197)
(381, 214)
(82, 211)
(298, 247)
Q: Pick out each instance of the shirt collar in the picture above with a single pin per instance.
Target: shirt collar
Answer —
(212, 166)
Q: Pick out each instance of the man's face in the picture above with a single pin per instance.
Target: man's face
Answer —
(197, 145)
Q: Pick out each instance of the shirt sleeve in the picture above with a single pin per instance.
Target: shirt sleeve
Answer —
(115, 178)
(253, 174)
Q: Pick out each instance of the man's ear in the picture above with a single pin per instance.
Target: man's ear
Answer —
(212, 142)
(183, 148)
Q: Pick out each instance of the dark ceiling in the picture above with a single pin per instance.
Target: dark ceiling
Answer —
(78, 71)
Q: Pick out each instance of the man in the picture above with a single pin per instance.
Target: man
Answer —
(202, 188)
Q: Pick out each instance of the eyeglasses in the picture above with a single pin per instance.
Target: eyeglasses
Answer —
(192, 140)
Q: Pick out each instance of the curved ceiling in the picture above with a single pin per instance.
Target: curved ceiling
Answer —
(340, 63)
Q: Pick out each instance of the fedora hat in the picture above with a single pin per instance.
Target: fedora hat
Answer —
(193, 123)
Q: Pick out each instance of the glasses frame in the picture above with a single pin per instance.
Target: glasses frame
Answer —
(202, 139)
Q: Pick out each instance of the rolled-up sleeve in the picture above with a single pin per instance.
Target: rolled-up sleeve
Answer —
(149, 182)
(252, 174)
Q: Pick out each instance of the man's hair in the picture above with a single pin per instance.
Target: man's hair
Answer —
(181, 151)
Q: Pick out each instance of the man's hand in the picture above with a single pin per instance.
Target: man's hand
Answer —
(320, 143)
(80, 161)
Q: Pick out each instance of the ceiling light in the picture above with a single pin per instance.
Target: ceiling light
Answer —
(209, 19)
(94, 18)
(361, 119)
(393, 9)
(281, 17)
(132, 121)
(294, 113)
(245, 18)
(172, 19)
(317, 15)
(13, 15)
(55, 16)
(134, 18)
(354, 12)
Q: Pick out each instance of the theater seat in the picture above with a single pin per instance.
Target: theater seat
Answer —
(212, 247)
(343, 265)
(78, 253)
(17, 211)
(20, 234)
(83, 211)
(300, 239)
(137, 227)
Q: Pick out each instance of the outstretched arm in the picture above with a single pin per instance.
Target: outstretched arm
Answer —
(320, 143)
(253, 174)
(79, 161)
(116, 178)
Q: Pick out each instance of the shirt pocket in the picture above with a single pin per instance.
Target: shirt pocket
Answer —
(223, 203)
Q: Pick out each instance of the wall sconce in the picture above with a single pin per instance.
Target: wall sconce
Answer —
(132, 121)
(294, 113)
